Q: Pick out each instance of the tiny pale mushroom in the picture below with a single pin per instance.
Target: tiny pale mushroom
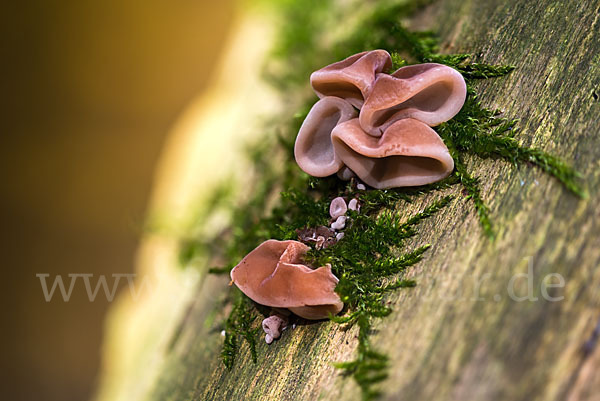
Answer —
(273, 326)
(352, 78)
(275, 274)
(337, 207)
(431, 93)
(409, 153)
(313, 149)
(339, 223)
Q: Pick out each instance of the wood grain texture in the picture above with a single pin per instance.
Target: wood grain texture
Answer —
(458, 335)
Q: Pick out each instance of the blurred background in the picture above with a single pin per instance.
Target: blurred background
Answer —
(91, 89)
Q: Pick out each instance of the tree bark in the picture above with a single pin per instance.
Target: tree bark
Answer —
(460, 335)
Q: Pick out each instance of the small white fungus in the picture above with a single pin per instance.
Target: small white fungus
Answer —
(337, 207)
(353, 204)
(273, 326)
(339, 224)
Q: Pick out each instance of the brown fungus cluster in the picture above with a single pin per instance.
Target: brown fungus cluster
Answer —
(275, 274)
(367, 123)
(378, 125)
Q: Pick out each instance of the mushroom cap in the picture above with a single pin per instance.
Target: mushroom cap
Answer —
(353, 204)
(274, 275)
(274, 325)
(337, 207)
(313, 149)
(351, 78)
(318, 312)
(431, 93)
(409, 153)
(339, 223)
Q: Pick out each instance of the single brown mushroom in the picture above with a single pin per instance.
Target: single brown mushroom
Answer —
(275, 275)
(352, 78)
(431, 93)
(313, 149)
(409, 153)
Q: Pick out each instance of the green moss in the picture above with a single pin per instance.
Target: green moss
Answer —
(239, 324)
(372, 257)
(370, 261)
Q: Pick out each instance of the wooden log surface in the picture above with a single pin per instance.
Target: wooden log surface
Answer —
(459, 335)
